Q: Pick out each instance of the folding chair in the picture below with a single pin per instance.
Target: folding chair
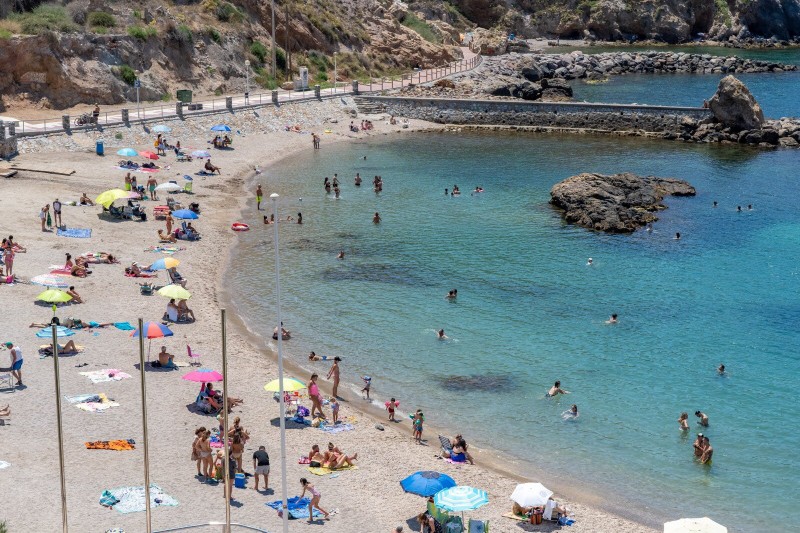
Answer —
(194, 357)
(7, 380)
(187, 187)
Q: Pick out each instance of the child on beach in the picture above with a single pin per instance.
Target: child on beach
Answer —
(390, 406)
(417, 419)
(335, 408)
(367, 384)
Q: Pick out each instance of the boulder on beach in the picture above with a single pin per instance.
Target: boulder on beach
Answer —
(735, 107)
(619, 203)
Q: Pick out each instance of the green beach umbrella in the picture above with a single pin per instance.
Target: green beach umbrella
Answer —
(54, 296)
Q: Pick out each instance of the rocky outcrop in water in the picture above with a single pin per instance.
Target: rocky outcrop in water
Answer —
(733, 105)
(620, 203)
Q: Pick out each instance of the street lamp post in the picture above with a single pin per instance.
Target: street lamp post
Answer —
(335, 78)
(285, 489)
(247, 81)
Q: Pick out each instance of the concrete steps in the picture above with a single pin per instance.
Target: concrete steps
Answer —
(368, 107)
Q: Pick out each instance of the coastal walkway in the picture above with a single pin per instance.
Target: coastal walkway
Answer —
(125, 114)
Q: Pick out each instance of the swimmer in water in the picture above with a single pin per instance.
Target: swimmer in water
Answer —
(572, 413)
(441, 336)
(721, 370)
(451, 294)
(445, 191)
(677, 236)
(650, 228)
(698, 445)
(376, 218)
(590, 262)
(708, 451)
(715, 203)
(340, 255)
(739, 208)
(749, 207)
(613, 319)
(358, 180)
(555, 390)
(684, 421)
(703, 418)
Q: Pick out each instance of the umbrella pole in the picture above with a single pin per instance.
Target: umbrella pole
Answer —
(144, 427)
(64, 522)
(225, 437)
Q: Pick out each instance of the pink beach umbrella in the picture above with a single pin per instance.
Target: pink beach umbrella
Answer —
(203, 375)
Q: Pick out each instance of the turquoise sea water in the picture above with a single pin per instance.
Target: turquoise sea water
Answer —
(531, 311)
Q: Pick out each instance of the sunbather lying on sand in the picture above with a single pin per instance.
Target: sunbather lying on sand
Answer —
(166, 237)
(100, 257)
(334, 458)
(9, 279)
(69, 347)
(6, 411)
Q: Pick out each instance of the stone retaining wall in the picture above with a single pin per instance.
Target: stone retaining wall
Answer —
(601, 117)
(8, 141)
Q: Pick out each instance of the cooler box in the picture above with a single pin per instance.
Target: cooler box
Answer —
(239, 481)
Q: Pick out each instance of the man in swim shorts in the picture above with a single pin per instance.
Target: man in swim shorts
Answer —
(556, 390)
(16, 362)
(259, 197)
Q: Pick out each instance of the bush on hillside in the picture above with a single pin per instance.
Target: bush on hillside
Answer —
(424, 29)
(227, 12)
(259, 50)
(214, 35)
(142, 32)
(101, 19)
(126, 74)
(46, 17)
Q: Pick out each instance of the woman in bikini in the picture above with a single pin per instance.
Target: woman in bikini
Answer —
(237, 447)
(316, 459)
(334, 458)
(315, 496)
(238, 428)
(204, 451)
(195, 449)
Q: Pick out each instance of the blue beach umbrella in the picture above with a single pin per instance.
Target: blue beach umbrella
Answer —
(127, 152)
(461, 498)
(161, 128)
(221, 127)
(61, 331)
(427, 483)
(185, 213)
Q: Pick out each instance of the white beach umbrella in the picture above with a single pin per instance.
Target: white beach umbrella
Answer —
(694, 525)
(169, 187)
(531, 494)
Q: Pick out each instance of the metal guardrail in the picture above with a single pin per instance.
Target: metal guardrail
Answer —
(234, 526)
(241, 102)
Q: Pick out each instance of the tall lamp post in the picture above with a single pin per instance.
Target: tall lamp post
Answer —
(335, 78)
(284, 488)
(247, 81)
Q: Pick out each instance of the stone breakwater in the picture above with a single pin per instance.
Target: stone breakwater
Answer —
(528, 76)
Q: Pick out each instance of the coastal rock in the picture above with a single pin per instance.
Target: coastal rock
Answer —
(619, 203)
(734, 106)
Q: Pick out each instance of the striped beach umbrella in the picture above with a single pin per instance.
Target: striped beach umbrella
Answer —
(460, 498)
(163, 264)
(427, 483)
(153, 330)
(61, 331)
(289, 385)
(50, 280)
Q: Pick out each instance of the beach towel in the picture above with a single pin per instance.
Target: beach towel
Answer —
(520, 518)
(107, 374)
(58, 271)
(92, 403)
(297, 508)
(129, 275)
(322, 470)
(203, 173)
(116, 445)
(77, 233)
(124, 326)
(165, 249)
(131, 499)
(338, 428)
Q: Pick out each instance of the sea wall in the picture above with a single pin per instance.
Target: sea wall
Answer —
(8, 140)
(602, 117)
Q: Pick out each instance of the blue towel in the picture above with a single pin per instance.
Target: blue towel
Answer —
(124, 326)
(78, 233)
(297, 508)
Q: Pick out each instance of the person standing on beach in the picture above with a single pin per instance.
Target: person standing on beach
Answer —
(169, 221)
(16, 362)
(259, 197)
(703, 418)
(151, 187)
(315, 497)
(334, 371)
(683, 420)
(57, 212)
(44, 214)
(316, 398)
(261, 466)
(698, 445)
(418, 420)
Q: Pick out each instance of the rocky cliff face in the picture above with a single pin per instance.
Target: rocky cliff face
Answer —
(671, 21)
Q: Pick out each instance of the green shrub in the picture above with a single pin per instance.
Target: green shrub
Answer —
(280, 59)
(126, 74)
(259, 50)
(101, 19)
(46, 17)
(137, 14)
(424, 29)
(214, 34)
(118, 136)
(184, 34)
(265, 79)
(5, 34)
(227, 12)
(142, 32)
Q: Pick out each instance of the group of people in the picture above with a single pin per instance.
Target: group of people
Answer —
(8, 251)
(221, 141)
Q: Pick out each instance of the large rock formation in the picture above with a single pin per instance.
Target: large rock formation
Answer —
(734, 106)
(619, 203)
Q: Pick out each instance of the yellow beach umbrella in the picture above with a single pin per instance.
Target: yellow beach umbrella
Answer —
(174, 291)
(107, 198)
(54, 296)
(289, 385)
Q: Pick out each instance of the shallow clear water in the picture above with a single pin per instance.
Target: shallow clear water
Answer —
(531, 311)
(777, 93)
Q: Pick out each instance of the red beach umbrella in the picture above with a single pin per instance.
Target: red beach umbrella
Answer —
(148, 155)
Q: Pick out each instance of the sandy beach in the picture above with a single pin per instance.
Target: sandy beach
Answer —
(367, 499)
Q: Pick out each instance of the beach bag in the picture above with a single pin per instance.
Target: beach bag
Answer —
(49, 220)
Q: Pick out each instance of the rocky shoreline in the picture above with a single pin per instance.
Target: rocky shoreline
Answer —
(619, 203)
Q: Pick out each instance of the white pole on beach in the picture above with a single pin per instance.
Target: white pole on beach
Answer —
(144, 429)
(64, 523)
(284, 488)
(225, 437)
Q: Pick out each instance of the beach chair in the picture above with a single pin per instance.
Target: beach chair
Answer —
(445, 443)
(7, 380)
(160, 212)
(453, 524)
(5, 419)
(478, 526)
(187, 187)
(438, 514)
(194, 357)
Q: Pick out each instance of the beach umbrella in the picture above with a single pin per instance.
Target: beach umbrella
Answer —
(221, 127)
(460, 498)
(163, 264)
(54, 296)
(531, 494)
(169, 187)
(185, 213)
(174, 291)
(148, 155)
(200, 154)
(108, 197)
(161, 128)
(694, 525)
(152, 330)
(127, 152)
(203, 375)
(61, 331)
(289, 385)
(427, 483)
(50, 280)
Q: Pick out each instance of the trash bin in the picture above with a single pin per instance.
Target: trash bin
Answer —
(184, 95)
(99, 147)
